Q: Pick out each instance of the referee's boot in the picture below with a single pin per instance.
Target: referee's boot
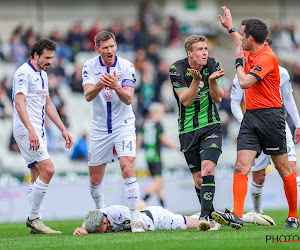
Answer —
(291, 222)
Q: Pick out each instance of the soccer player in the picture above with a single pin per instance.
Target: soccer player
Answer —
(262, 162)
(152, 135)
(108, 81)
(263, 125)
(31, 102)
(116, 218)
(197, 87)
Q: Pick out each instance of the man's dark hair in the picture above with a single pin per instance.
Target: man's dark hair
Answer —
(42, 44)
(256, 28)
(102, 37)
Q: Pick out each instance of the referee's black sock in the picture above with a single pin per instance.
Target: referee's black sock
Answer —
(207, 193)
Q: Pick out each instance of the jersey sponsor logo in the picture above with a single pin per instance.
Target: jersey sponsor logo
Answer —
(173, 67)
(106, 88)
(108, 95)
(257, 68)
(207, 196)
(41, 92)
(213, 136)
(174, 74)
(205, 72)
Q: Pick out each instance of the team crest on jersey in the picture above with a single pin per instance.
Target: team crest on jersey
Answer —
(119, 76)
(108, 95)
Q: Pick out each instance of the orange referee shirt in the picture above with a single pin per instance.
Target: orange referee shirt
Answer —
(263, 64)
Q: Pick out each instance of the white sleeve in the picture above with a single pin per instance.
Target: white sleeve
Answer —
(287, 97)
(20, 83)
(129, 72)
(236, 110)
(88, 75)
(236, 97)
(291, 108)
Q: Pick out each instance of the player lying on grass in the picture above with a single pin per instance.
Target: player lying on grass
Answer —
(116, 218)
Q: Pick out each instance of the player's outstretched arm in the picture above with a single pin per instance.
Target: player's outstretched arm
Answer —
(227, 24)
(53, 115)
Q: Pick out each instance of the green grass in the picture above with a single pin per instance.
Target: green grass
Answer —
(16, 236)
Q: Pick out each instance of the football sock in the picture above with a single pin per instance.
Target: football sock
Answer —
(132, 191)
(248, 218)
(240, 186)
(290, 188)
(298, 188)
(97, 193)
(39, 189)
(30, 192)
(199, 198)
(207, 193)
(256, 191)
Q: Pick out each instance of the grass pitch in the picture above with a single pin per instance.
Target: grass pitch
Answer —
(16, 236)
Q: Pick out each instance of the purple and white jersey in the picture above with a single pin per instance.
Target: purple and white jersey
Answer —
(109, 112)
(34, 85)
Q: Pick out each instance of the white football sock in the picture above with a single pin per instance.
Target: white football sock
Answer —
(132, 191)
(248, 218)
(256, 191)
(30, 192)
(39, 189)
(97, 193)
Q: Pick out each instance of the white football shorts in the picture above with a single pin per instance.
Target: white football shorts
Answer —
(263, 161)
(163, 219)
(32, 157)
(101, 146)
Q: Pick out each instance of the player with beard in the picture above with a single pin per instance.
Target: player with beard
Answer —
(31, 102)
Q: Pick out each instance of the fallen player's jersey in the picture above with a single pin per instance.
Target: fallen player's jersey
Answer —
(158, 218)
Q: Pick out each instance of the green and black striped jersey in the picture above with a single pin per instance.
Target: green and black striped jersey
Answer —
(203, 111)
(151, 137)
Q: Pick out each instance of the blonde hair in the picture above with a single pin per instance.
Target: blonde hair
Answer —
(188, 44)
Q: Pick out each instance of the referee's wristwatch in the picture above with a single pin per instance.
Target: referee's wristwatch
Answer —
(233, 29)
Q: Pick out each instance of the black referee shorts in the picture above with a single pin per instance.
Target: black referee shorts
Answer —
(263, 129)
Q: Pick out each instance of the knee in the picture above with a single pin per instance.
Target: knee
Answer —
(48, 174)
(240, 168)
(128, 171)
(259, 179)
(95, 180)
(198, 182)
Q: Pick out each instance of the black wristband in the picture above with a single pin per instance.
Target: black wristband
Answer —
(239, 62)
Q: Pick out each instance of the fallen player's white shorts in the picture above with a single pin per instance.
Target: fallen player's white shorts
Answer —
(32, 157)
(101, 146)
(263, 161)
(163, 219)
